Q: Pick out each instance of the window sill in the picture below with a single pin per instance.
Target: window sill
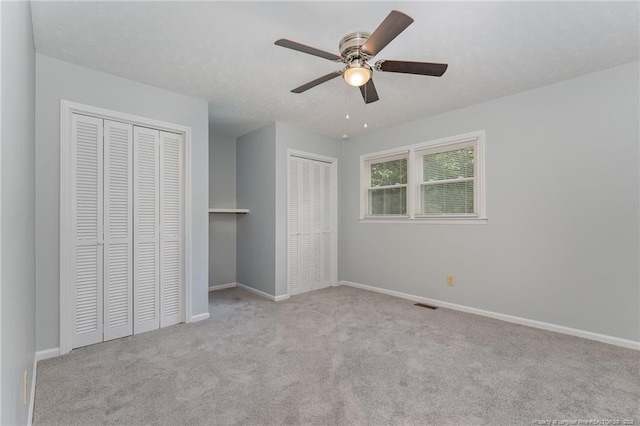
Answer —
(427, 221)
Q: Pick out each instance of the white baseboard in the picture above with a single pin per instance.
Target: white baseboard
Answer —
(47, 353)
(222, 286)
(258, 292)
(38, 356)
(199, 317)
(263, 294)
(625, 343)
(32, 397)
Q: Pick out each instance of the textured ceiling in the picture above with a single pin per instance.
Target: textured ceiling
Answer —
(223, 52)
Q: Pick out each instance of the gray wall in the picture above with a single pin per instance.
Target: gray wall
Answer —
(222, 194)
(561, 244)
(262, 188)
(288, 137)
(18, 206)
(61, 80)
(256, 191)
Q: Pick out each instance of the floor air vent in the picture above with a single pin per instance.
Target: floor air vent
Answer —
(424, 305)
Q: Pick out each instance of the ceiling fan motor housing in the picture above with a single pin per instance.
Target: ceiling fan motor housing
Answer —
(351, 44)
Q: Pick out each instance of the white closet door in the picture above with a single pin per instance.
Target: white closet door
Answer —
(305, 284)
(311, 262)
(146, 223)
(171, 273)
(293, 256)
(327, 233)
(87, 199)
(316, 225)
(118, 232)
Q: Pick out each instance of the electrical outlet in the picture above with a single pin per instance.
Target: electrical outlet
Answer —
(24, 387)
(451, 280)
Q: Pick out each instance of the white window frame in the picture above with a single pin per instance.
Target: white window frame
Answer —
(367, 183)
(414, 154)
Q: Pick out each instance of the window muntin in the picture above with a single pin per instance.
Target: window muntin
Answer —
(447, 187)
(387, 186)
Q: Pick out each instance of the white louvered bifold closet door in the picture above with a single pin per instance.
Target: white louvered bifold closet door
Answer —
(87, 198)
(122, 254)
(170, 229)
(310, 251)
(146, 232)
(317, 235)
(118, 232)
(327, 233)
(293, 256)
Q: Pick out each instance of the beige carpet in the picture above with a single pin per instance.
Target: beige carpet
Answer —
(339, 356)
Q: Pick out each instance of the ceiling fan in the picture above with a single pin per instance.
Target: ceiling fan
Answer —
(356, 49)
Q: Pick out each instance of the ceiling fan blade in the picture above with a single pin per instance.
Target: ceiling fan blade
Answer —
(369, 92)
(406, 67)
(316, 82)
(395, 23)
(307, 49)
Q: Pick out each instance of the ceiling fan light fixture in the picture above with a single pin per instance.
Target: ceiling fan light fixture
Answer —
(357, 75)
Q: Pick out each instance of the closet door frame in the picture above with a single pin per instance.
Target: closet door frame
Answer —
(67, 109)
(334, 210)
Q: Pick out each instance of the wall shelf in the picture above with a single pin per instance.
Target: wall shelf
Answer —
(236, 211)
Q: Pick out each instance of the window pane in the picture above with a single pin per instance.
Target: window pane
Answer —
(389, 173)
(448, 198)
(388, 201)
(448, 165)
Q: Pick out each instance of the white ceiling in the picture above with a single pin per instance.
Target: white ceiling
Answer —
(223, 52)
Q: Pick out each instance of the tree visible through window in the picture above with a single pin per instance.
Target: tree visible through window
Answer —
(388, 187)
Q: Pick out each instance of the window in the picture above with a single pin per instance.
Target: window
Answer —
(447, 181)
(387, 186)
(439, 181)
